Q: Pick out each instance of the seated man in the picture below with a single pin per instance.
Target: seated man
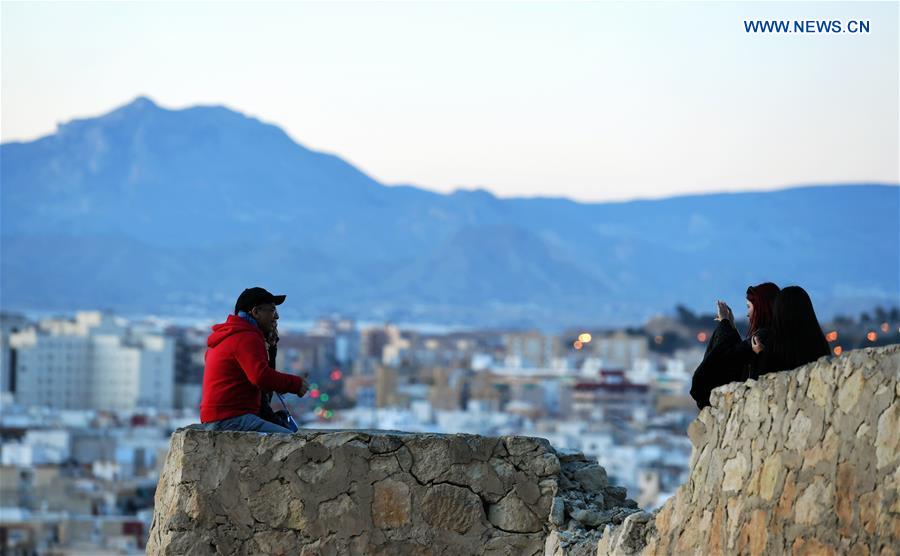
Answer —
(237, 367)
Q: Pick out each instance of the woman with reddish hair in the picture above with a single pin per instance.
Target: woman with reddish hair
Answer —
(729, 358)
(796, 337)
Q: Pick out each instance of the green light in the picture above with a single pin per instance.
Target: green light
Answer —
(324, 397)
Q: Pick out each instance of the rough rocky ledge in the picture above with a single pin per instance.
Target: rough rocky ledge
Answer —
(371, 492)
(800, 462)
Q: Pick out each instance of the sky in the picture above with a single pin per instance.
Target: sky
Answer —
(593, 101)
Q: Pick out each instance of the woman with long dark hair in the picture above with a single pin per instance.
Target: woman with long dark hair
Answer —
(797, 338)
(729, 358)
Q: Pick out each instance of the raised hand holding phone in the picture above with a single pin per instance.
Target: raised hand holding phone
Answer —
(723, 312)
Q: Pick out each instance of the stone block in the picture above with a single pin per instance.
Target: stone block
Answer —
(513, 515)
(452, 508)
(592, 478)
(391, 504)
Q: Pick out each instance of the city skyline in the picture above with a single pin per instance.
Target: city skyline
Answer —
(595, 102)
(78, 469)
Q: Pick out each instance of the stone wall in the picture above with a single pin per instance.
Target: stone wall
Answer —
(359, 492)
(801, 462)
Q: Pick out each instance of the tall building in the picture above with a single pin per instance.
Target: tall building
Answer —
(94, 362)
(385, 387)
(620, 349)
(373, 341)
(346, 338)
(446, 389)
(9, 323)
(530, 349)
(346, 343)
(190, 359)
(396, 349)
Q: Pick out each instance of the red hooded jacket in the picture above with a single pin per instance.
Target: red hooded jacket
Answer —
(237, 368)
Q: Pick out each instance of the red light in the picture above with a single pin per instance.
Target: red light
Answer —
(336, 375)
(701, 337)
(838, 350)
(872, 336)
(314, 393)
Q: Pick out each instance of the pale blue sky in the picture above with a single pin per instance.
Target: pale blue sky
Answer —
(593, 101)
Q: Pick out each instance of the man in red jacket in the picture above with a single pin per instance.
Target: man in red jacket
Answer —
(237, 366)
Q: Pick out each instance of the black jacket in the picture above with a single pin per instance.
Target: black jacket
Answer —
(265, 406)
(728, 359)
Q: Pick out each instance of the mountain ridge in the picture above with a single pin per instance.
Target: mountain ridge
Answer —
(205, 200)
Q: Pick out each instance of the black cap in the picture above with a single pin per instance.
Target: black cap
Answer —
(251, 297)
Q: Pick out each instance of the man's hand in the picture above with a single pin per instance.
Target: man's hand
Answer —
(304, 388)
(723, 312)
(757, 346)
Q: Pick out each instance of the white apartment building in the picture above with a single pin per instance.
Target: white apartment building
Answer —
(94, 362)
(620, 349)
(530, 349)
(38, 447)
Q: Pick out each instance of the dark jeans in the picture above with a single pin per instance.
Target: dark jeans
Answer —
(248, 423)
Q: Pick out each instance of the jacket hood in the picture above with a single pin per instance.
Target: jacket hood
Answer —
(233, 325)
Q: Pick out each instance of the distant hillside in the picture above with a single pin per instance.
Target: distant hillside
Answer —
(177, 210)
